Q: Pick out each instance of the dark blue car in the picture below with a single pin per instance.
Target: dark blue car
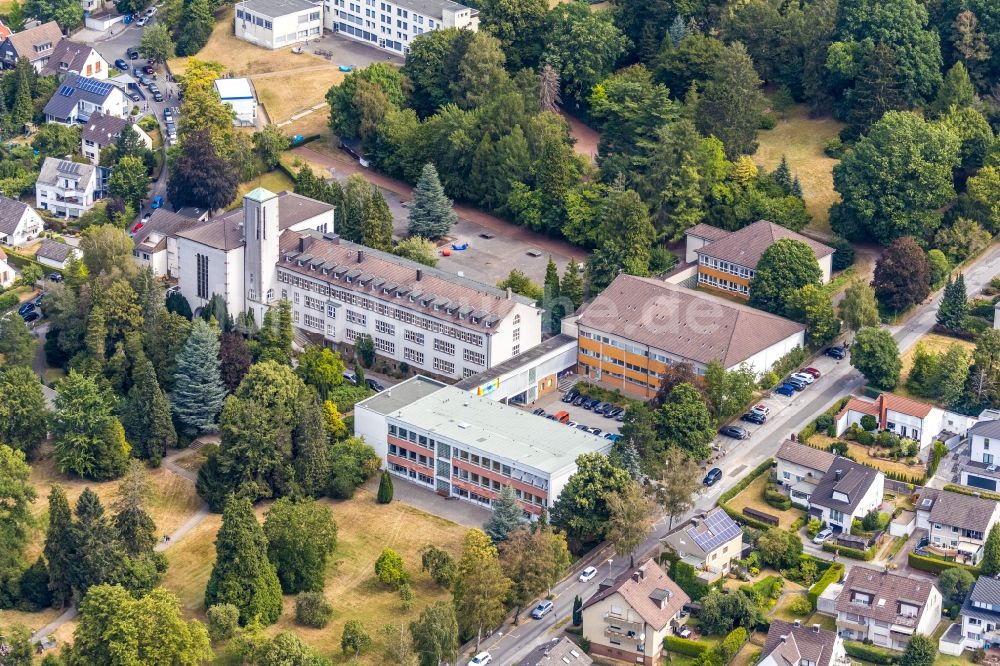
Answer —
(26, 308)
(785, 389)
(157, 202)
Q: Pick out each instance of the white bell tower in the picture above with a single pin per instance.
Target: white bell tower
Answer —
(261, 229)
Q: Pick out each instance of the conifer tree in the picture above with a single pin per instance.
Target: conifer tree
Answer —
(385, 489)
(198, 390)
(571, 287)
(431, 214)
(376, 226)
(552, 302)
(60, 547)
(90, 441)
(990, 566)
(796, 187)
(145, 414)
(98, 556)
(311, 459)
(507, 516)
(954, 304)
(243, 575)
(783, 174)
(136, 530)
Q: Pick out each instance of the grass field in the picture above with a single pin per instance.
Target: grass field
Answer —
(286, 82)
(276, 181)
(364, 529)
(753, 497)
(801, 139)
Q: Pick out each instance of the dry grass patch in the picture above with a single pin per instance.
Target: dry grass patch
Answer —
(317, 122)
(860, 453)
(284, 96)
(364, 529)
(172, 502)
(801, 139)
(275, 181)
(753, 497)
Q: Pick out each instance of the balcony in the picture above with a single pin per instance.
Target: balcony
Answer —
(624, 624)
(861, 624)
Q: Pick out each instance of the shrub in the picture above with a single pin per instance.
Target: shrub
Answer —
(865, 438)
(389, 568)
(830, 576)
(684, 646)
(870, 653)
(223, 621)
(815, 525)
(405, 596)
(936, 566)
(768, 121)
(746, 480)
(834, 148)
(843, 253)
(824, 422)
(951, 487)
(777, 499)
(312, 610)
(800, 606)
(868, 422)
(684, 575)
(853, 553)
(732, 643)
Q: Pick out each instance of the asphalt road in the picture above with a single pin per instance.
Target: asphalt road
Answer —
(838, 379)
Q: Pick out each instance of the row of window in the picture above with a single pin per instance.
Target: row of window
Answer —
(638, 350)
(412, 474)
(253, 20)
(413, 356)
(726, 267)
(385, 346)
(410, 455)
(313, 322)
(494, 485)
(722, 283)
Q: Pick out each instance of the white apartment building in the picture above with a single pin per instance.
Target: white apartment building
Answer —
(71, 57)
(64, 188)
(78, 98)
(273, 24)
(847, 491)
(447, 441)
(19, 223)
(980, 470)
(101, 131)
(392, 26)
(957, 525)
(886, 609)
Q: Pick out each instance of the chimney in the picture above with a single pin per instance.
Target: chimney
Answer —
(420, 274)
(510, 293)
(361, 256)
(836, 474)
(304, 242)
(798, 623)
(815, 628)
(636, 576)
(784, 639)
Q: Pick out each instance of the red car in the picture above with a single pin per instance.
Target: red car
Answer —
(811, 371)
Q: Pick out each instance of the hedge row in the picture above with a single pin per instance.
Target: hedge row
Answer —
(684, 646)
(985, 494)
(746, 520)
(746, 481)
(732, 643)
(829, 577)
(806, 433)
(8, 301)
(870, 653)
(853, 553)
(936, 566)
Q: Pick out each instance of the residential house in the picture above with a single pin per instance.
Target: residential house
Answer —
(393, 25)
(470, 447)
(980, 470)
(796, 644)
(848, 491)
(78, 98)
(957, 525)
(156, 241)
(35, 44)
(7, 272)
(55, 254)
(637, 327)
(66, 189)
(885, 608)
(800, 469)
(629, 616)
(727, 260)
(906, 417)
(239, 95)
(980, 615)
(5, 31)
(709, 543)
(557, 652)
(102, 130)
(19, 223)
(273, 24)
(71, 57)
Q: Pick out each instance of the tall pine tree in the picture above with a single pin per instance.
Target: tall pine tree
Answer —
(98, 556)
(136, 530)
(198, 390)
(60, 547)
(554, 310)
(146, 414)
(90, 440)
(243, 575)
(954, 304)
(431, 214)
(571, 287)
(507, 516)
(376, 226)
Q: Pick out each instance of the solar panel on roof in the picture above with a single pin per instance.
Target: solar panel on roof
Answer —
(720, 529)
(68, 167)
(66, 91)
(94, 86)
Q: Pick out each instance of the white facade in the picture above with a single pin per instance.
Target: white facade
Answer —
(239, 95)
(272, 24)
(19, 223)
(905, 417)
(872, 500)
(7, 273)
(206, 270)
(892, 635)
(392, 26)
(92, 145)
(65, 189)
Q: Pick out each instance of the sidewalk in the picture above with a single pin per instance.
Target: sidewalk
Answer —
(456, 510)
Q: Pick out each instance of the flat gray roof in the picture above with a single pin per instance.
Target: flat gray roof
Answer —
(530, 356)
(276, 8)
(396, 397)
(490, 425)
(432, 8)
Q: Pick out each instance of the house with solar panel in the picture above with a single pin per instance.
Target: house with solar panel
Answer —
(709, 544)
(80, 97)
(66, 189)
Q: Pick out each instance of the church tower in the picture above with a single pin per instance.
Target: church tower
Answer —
(261, 230)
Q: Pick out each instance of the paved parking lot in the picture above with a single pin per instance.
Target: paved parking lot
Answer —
(553, 403)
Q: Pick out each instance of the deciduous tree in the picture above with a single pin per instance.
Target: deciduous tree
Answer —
(354, 638)
(23, 412)
(581, 509)
(812, 306)
(685, 422)
(902, 275)
(788, 264)
(630, 519)
(17, 344)
(417, 249)
(858, 308)
(480, 586)
(435, 634)
(300, 538)
(732, 104)
(199, 176)
(875, 354)
(156, 43)
(520, 27)
(678, 483)
(582, 46)
(920, 651)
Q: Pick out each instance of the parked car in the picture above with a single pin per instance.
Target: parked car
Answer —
(588, 574)
(594, 431)
(54, 277)
(168, 115)
(613, 412)
(122, 64)
(754, 417)
(481, 659)
(579, 400)
(836, 352)
(562, 416)
(761, 409)
(797, 384)
(539, 412)
(612, 437)
(148, 69)
(38, 301)
(541, 610)
(804, 377)
(26, 308)
(142, 21)
(157, 202)
(713, 475)
(734, 431)
(572, 424)
(132, 53)
(152, 11)
(153, 88)
(786, 390)
(582, 426)
(134, 96)
(570, 395)
(823, 535)
(812, 371)
(590, 403)
(374, 385)
(157, 96)
(620, 417)
(29, 317)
